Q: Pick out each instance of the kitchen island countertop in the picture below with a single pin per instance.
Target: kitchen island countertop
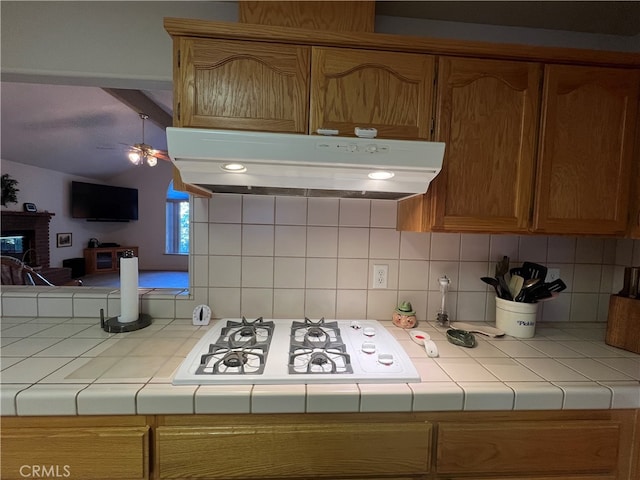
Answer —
(69, 366)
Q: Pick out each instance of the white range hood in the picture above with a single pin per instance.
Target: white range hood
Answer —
(308, 165)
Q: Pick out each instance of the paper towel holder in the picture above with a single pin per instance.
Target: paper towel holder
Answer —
(133, 319)
(112, 325)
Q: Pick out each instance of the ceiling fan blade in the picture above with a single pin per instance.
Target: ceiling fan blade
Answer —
(162, 155)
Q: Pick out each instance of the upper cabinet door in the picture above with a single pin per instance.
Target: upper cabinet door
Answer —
(487, 114)
(389, 91)
(240, 85)
(586, 150)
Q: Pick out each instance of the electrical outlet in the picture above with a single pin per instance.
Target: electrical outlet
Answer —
(552, 274)
(380, 274)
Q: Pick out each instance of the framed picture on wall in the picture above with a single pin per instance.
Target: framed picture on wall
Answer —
(63, 239)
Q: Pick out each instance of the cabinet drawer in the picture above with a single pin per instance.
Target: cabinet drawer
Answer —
(545, 447)
(75, 453)
(293, 450)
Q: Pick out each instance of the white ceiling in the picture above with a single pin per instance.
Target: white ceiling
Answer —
(73, 129)
(84, 130)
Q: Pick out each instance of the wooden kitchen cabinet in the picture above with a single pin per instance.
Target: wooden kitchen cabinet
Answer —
(528, 449)
(389, 91)
(490, 445)
(87, 448)
(634, 206)
(240, 85)
(292, 446)
(487, 114)
(586, 150)
(105, 259)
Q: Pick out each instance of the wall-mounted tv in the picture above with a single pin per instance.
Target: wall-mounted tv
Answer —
(103, 203)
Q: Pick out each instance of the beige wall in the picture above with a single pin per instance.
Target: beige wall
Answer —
(49, 190)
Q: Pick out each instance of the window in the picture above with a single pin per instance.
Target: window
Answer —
(177, 218)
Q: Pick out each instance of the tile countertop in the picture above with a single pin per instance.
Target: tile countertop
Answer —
(69, 366)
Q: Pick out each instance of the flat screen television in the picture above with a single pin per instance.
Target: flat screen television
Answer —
(103, 203)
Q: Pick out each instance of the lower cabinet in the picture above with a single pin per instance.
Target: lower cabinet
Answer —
(312, 446)
(554, 445)
(86, 448)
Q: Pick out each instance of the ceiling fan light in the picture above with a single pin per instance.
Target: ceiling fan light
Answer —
(134, 157)
(151, 160)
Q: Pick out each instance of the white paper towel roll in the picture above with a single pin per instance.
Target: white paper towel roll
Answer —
(128, 290)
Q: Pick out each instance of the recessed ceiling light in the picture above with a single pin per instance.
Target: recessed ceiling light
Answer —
(234, 167)
(381, 175)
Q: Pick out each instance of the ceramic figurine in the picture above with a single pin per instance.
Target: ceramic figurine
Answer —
(404, 316)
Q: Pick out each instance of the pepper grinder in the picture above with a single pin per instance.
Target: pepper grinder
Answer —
(443, 317)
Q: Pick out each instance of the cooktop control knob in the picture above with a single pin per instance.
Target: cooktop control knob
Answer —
(369, 347)
(369, 331)
(385, 358)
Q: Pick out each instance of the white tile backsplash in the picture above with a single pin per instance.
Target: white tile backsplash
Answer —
(258, 209)
(294, 256)
(323, 211)
(291, 211)
(354, 212)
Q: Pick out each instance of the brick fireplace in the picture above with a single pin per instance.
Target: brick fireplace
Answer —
(33, 228)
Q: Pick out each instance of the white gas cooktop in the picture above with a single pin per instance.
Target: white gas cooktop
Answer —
(284, 351)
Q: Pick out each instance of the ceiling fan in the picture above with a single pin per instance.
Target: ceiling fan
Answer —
(141, 153)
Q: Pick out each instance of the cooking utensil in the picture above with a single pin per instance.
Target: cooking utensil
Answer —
(525, 287)
(504, 289)
(631, 283)
(534, 270)
(462, 338)
(541, 291)
(502, 268)
(493, 282)
(556, 286)
(424, 339)
(482, 329)
(515, 285)
(516, 271)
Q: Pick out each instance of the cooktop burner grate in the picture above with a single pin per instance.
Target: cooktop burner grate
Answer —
(281, 351)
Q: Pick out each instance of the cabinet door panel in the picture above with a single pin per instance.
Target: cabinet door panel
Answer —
(106, 453)
(349, 449)
(586, 150)
(242, 85)
(391, 92)
(487, 113)
(525, 449)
